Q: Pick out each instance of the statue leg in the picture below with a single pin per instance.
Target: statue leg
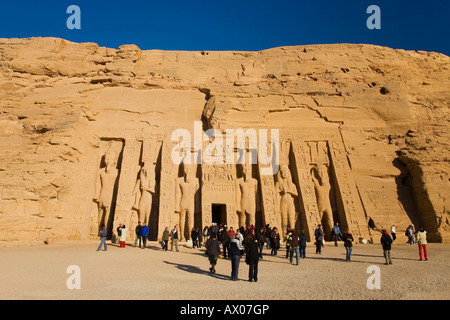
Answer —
(147, 209)
(284, 219)
(291, 217)
(182, 223)
(140, 214)
(241, 216)
(106, 216)
(190, 219)
(251, 215)
(100, 216)
(251, 219)
(328, 220)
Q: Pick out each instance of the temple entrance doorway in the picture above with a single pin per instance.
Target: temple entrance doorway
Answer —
(219, 213)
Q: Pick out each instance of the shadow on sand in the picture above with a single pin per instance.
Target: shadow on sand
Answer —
(193, 269)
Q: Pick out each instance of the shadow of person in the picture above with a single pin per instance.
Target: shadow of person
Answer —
(381, 257)
(194, 269)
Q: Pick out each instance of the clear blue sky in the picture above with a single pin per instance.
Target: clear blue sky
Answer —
(233, 25)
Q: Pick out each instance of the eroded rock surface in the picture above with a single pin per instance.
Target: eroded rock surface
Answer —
(376, 117)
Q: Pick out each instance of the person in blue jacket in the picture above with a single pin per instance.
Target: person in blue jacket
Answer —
(102, 234)
(144, 233)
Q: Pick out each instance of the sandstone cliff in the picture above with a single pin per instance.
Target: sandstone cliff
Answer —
(58, 98)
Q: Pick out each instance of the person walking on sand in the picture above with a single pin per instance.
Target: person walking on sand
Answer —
(165, 238)
(386, 242)
(261, 238)
(274, 241)
(194, 238)
(421, 239)
(137, 232)
(318, 233)
(393, 233)
(225, 240)
(410, 234)
(287, 240)
(174, 236)
(302, 243)
(123, 236)
(295, 248)
(336, 231)
(348, 244)
(235, 252)
(102, 235)
(252, 258)
(212, 251)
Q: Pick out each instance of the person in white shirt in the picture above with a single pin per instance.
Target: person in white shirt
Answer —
(123, 236)
(393, 233)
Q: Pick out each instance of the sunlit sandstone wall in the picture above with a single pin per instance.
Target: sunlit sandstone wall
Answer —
(375, 117)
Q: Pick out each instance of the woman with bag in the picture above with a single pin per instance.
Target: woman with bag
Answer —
(319, 238)
(165, 239)
(235, 252)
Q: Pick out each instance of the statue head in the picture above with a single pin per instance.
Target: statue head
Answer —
(147, 168)
(188, 170)
(320, 170)
(246, 170)
(110, 158)
(284, 171)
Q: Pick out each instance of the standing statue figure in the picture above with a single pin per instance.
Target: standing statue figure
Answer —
(322, 187)
(105, 187)
(186, 187)
(247, 188)
(145, 186)
(287, 190)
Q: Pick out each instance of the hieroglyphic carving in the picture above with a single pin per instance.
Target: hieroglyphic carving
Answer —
(307, 197)
(206, 215)
(128, 173)
(167, 215)
(271, 210)
(219, 187)
(354, 212)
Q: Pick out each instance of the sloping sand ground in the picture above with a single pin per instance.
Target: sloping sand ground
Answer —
(133, 273)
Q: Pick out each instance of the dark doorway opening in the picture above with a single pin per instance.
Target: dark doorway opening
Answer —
(219, 214)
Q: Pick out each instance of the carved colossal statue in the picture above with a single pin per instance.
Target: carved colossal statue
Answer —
(105, 187)
(186, 187)
(287, 190)
(145, 188)
(247, 188)
(322, 187)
